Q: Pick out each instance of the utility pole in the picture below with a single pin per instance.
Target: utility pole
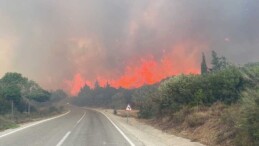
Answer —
(29, 110)
(127, 116)
(29, 107)
(12, 109)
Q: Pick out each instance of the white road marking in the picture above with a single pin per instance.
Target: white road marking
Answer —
(129, 141)
(34, 124)
(81, 119)
(63, 139)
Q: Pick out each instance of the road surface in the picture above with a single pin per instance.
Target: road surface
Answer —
(79, 127)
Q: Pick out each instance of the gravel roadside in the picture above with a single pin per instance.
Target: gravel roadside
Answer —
(147, 135)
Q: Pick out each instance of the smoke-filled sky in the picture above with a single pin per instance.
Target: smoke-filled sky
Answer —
(67, 43)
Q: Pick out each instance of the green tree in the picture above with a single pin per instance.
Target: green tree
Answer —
(32, 91)
(16, 89)
(4, 105)
(177, 91)
(192, 90)
(39, 95)
(215, 61)
(12, 93)
(58, 95)
(225, 85)
(14, 78)
(106, 96)
(146, 100)
(204, 68)
(97, 85)
(218, 63)
(119, 101)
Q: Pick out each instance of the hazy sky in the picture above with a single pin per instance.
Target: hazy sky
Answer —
(67, 43)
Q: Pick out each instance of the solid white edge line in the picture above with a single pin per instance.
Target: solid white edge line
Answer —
(129, 141)
(34, 124)
(63, 139)
(81, 119)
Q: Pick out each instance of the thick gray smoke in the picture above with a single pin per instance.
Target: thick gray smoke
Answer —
(51, 41)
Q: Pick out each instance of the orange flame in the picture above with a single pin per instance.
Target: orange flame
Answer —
(182, 58)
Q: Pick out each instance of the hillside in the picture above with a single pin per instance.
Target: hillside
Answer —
(219, 108)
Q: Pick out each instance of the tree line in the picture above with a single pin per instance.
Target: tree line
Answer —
(102, 96)
(17, 92)
(222, 82)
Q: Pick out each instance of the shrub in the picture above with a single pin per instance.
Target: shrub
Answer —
(6, 124)
(195, 90)
(242, 121)
(147, 111)
(228, 117)
(145, 99)
(196, 119)
(52, 109)
(248, 124)
(61, 108)
(178, 117)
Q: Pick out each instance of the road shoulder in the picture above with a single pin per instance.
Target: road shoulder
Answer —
(142, 134)
(29, 124)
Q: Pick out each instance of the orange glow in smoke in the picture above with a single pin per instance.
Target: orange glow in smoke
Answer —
(149, 70)
(77, 83)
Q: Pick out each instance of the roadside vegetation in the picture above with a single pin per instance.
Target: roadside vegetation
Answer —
(218, 107)
(107, 97)
(22, 100)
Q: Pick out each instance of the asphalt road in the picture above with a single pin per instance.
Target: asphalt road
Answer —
(80, 127)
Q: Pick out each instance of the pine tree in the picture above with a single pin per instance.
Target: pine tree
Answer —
(97, 85)
(215, 62)
(107, 85)
(204, 68)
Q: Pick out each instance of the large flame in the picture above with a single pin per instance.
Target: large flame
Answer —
(148, 69)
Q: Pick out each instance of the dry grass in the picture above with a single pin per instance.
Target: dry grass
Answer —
(7, 122)
(196, 119)
(132, 113)
(203, 125)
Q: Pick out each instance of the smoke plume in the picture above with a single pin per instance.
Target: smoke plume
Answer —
(66, 44)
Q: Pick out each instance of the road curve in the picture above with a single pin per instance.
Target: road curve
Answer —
(80, 127)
